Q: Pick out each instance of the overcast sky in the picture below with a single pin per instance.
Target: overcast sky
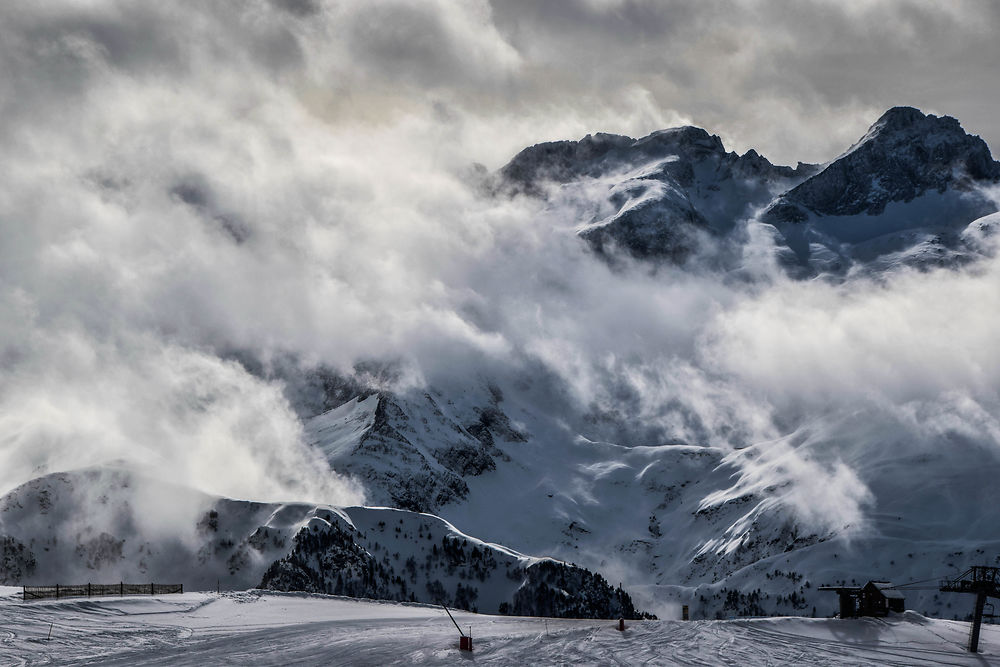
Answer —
(798, 80)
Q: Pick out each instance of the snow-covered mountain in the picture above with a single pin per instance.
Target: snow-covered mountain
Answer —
(681, 523)
(687, 520)
(913, 182)
(416, 451)
(679, 511)
(901, 195)
(112, 524)
(904, 155)
(664, 195)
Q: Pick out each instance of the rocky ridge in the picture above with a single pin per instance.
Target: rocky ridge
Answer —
(900, 196)
(353, 551)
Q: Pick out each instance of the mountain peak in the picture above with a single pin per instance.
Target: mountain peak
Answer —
(901, 117)
(907, 124)
(686, 138)
(904, 155)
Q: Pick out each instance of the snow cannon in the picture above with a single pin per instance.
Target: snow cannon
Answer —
(464, 640)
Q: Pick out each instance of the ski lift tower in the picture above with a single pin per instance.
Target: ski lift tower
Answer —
(982, 581)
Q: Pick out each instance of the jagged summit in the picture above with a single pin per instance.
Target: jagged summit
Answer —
(915, 123)
(902, 118)
(562, 161)
(668, 193)
(672, 194)
(904, 155)
(926, 138)
(687, 139)
(601, 153)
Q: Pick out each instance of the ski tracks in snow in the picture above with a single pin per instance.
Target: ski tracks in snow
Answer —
(280, 629)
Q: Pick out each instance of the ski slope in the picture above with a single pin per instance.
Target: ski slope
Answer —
(264, 628)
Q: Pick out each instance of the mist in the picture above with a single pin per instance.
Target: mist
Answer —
(296, 180)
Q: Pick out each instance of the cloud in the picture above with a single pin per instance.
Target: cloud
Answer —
(70, 401)
(184, 182)
(426, 45)
(825, 69)
(911, 338)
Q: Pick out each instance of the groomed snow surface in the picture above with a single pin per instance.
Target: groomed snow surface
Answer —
(264, 628)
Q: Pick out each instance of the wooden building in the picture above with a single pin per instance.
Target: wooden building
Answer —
(876, 598)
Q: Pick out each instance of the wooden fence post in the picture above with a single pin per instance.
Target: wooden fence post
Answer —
(57, 591)
(151, 589)
(88, 589)
(121, 587)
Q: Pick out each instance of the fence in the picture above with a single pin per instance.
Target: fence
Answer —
(95, 590)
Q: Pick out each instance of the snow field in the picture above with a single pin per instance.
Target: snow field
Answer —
(263, 628)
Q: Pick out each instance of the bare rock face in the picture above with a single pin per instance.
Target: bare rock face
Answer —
(563, 161)
(900, 196)
(905, 154)
(599, 154)
(413, 451)
(667, 194)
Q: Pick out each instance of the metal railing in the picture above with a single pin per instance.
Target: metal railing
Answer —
(59, 591)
